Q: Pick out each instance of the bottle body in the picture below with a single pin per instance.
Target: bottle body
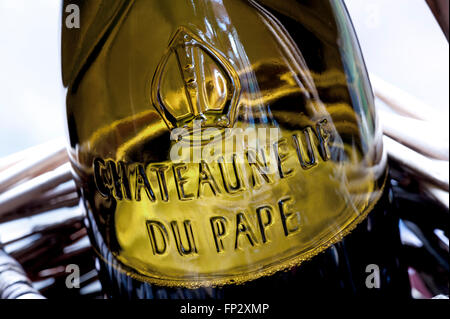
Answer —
(218, 143)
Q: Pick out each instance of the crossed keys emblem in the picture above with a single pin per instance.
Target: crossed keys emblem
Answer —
(195, 82)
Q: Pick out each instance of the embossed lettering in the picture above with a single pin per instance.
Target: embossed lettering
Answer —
(307, 158)
(290, 220)
(159, 238)
(282, 155)
(189, 235)
(142, 182)
(180, 181)
(102, 177)
(264, 214)
(257, 168)
(205, 177)
(120, 179)
(219, 230)
(160, 173)
(238, 185)
(323, 135)
(251, 169)
(243, 228)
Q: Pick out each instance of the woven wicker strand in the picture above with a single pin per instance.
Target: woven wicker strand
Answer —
(14, 283)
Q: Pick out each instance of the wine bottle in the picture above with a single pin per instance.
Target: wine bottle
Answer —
(227, 148)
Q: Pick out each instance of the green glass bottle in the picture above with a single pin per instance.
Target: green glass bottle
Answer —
(219, 146)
